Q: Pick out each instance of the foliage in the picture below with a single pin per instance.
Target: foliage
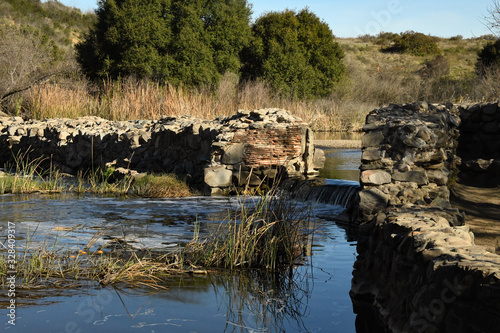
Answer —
(436, 67)
(414, 43)
(36, 45)
(190, 42)
(160, 186)
(267, 233)
(295, 52)
(488, 58)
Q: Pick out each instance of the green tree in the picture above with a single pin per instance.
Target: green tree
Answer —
(295, 52)
(488, 59)
(414, 43)
(181, 41)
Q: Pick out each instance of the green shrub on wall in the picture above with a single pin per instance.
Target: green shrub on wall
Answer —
(295, 52)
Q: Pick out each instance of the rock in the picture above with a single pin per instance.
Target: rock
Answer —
(218, 176)
(375, 177)
(245, 178)
(371, 154)
(440, 176)
(490, 109)
(319, 159)
(372, 201)
(233, 154)
(417, 177)
(372, 139)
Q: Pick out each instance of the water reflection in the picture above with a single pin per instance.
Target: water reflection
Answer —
(313, 298)
(341, 164)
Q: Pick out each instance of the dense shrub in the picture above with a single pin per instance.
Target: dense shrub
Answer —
(295, 52)
(436, 67)
(414, 43)
(488, 58)
(190, 42)
(386, 38)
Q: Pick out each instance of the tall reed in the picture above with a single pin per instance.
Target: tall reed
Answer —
(265, 232)
(129, 99)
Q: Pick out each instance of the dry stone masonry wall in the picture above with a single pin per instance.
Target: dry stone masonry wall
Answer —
(417, 264)
(479, 144)
(250, 147)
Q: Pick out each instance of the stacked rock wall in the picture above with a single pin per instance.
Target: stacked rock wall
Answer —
(417, 264)
(408, 153)
(245, 149)
(479, 144)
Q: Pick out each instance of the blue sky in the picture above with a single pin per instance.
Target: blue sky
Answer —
(443, 18)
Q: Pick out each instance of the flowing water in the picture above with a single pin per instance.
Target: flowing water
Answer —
(312, 298)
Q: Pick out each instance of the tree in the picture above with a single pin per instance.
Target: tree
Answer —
(191, 42)
(488, 58)
(27, 57)
(414, 43)
(295, 52)
(493, 20)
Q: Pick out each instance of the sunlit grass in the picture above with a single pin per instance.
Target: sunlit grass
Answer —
(27, 176)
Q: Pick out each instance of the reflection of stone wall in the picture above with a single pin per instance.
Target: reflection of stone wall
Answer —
(417, 263)
(247, 148)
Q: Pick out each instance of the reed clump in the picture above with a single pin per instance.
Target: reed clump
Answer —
(267, 232)
(25, 175)
(160, 186)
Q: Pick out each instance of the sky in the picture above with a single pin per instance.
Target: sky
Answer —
(442, 18)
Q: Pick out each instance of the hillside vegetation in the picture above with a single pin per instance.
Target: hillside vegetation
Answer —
(378, 70)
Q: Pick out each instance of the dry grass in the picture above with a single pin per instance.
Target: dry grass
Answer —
(374, 78)
(160, 186)
(268, 234)
(132, 99)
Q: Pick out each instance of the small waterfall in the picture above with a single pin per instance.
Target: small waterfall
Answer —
(328, 191)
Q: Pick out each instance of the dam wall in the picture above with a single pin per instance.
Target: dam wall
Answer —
(250, 148)
(417, 264)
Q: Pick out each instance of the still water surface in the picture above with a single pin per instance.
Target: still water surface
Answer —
(314, 298)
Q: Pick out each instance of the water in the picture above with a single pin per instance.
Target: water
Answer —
(341, 164)
(313, 298)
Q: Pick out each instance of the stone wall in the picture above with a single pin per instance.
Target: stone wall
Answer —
(407, 155)
(417, 264)
(479, 144)
(250, 147)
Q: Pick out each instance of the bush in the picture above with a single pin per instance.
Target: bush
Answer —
(436, 68)
(27, 56)
(386, 38)
(295, 52)
(414, 43)
(189, 42)
(488, 58)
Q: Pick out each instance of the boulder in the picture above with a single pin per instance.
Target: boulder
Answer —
(417, 177)
(375, 177)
